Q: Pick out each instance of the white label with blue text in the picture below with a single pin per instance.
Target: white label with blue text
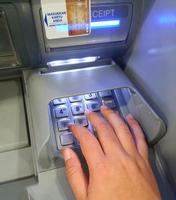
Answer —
(66, 18)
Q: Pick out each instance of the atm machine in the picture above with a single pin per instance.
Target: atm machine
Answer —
(59, 58)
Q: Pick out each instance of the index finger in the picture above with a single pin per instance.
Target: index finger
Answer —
(121, 129)
(90, 146)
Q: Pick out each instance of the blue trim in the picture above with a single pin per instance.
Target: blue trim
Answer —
(94, 25)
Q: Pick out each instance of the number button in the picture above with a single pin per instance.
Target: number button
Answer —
(77, 108)
(110, 103)
(59, 101)
(93, 106)
(66, 139)
(91, 96)
(61, 111)
(81, 120)
(63, 124)
(105, 93)
(75, 99)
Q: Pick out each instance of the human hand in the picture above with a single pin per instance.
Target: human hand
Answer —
(118, 162)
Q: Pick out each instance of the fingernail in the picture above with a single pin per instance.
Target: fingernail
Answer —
(104, 107)
(71, 125)
(130, 116)
(66, 154)
(117, 112)
(87, 113)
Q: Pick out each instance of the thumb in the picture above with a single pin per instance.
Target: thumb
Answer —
(75, 174)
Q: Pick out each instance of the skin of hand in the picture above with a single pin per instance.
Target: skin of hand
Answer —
(117, 160)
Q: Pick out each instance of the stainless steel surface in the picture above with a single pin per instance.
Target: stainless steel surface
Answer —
(152, 66)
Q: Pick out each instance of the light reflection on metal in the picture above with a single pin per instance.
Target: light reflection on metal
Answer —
(168, 19)
(74, 71)
(73, 61)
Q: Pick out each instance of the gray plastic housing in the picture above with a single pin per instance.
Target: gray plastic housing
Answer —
(105, 45)
(41, 88)
(132, 102)
(27, 36)
(97, 36)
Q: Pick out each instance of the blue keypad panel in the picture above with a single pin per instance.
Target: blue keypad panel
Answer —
(71, 110)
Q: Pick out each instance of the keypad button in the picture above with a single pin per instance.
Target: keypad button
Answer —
(93, 106)
(63, 124)
(77, 108)
(81, 120)
(104, 94)
(75, 99)
(110, 103)
(90, 96)
(59, 101)
(66, 139)
(61, 111)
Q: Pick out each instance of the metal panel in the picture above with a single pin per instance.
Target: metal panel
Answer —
(152, 67)
(15, 153)
(16, 164)
(56, 188)
(15, 190)
(12, 116)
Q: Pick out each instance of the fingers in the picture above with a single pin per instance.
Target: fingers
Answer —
(138, 136)
(90, 146)
(105, 133)
(75, 174)
(121, 129)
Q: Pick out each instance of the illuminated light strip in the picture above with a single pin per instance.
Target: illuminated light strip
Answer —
(73, 61)
(104, 24)
(94, 25)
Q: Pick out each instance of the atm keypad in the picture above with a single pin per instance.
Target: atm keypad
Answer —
(110, 103)
(66, 111)
(61, 111)
(90, 96)
(105, 93)
(59, 101)
(81, 120)
(93, 106)
(65, 139)
(75, 99)
(77, 108)
(63, 124)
